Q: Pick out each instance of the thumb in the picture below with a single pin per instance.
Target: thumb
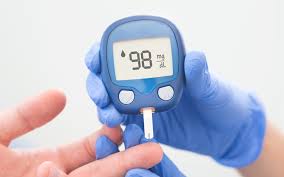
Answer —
(202, 86)
(49, 169)
(105, 147)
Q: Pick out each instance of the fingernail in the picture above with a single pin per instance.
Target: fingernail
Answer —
(47, 170)
(54, 172)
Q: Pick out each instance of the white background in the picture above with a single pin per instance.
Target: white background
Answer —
(43, 43)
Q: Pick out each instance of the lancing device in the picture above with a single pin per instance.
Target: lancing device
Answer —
(142, 61)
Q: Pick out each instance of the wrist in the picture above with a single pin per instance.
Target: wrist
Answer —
(272, 153)
(248, 142)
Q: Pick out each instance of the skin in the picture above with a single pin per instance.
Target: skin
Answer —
(271, 160)
(62, 160)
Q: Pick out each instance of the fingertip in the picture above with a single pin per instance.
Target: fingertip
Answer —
(195, 64)
(92, 59)
(105, 147)
(157, 151)
(132, 135)
(44, 107)
(49, 169)
(110, 116)
(58, 97)
(44, 169)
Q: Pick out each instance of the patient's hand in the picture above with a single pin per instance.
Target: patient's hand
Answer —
(43, 108)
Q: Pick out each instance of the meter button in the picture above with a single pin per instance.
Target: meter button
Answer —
(126, 96)
(166, 93)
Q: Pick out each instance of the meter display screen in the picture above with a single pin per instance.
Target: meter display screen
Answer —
(143, 58)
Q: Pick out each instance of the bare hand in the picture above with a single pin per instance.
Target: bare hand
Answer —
(78, 156)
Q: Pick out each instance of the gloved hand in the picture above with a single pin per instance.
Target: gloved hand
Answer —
(132, 136)
(212, 118)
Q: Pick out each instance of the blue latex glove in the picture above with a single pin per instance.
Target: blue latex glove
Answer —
(104, 147)
(212, 118)
(133, 135)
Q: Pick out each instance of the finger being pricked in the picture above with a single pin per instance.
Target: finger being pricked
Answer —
(141, 156)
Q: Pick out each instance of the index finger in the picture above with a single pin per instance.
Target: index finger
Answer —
(142, 156)
(30, 115)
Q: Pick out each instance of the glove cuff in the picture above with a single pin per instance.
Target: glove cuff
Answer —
(248, 143)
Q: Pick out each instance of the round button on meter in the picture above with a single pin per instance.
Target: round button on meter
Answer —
(166, 93)
(126, 96)
(142, 61)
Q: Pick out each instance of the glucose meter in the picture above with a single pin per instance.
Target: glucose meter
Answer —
(142, 66)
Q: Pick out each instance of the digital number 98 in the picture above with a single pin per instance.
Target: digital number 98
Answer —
(145, 56)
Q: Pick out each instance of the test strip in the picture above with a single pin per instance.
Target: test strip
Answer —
(148, 122)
